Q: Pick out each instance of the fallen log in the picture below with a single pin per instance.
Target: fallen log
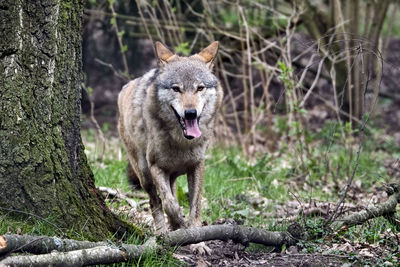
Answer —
(237, 233)
(372, 211)
(41, 244)
(67, 252)
(87, 253)
(90, 256)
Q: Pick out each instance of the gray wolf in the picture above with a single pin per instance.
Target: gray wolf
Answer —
(166, 124)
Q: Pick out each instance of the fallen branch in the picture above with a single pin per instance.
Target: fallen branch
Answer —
(134, 194)
(309, 212)
(117, 194)
(292, 211)
(237, 233)
(67, 252)
(90, 256)
(42, 244)
(75, 253)
(373, 211)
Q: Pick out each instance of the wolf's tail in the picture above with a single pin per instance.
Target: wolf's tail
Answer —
(132, 177)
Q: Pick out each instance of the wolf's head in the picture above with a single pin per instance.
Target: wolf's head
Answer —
(187, 90)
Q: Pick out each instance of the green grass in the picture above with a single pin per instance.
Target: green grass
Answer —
(112, 174)
(229, 178)
(10, 221)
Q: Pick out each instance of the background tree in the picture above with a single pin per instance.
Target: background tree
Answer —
(43, 167)
(349, 34)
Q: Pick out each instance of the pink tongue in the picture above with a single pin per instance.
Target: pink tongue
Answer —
(192, 128)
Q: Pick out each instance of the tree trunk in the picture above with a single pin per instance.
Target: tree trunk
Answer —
(360, 47)
(43, 168)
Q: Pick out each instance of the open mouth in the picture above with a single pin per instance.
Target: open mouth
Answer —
(190, 128)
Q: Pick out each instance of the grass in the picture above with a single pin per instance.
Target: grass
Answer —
(11, 222)
(229, 178)
(112, 174)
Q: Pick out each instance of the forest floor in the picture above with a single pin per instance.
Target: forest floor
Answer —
(374, 244)
(229, 254)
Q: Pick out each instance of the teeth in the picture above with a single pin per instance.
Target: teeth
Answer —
(184, 131)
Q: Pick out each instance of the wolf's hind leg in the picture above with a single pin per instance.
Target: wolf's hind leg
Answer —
(173, 189)
(133, 179)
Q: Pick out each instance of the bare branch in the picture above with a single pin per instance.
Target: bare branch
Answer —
(370, 212)
(78, 253)
(119, 38)
(117, 194)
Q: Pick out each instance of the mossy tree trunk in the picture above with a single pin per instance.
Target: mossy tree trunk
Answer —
(43, 168)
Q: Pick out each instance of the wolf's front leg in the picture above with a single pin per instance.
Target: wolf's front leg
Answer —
(195, 185)
(155, 203)
(169, 202)
(157, 212)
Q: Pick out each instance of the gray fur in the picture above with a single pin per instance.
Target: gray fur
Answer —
(157, 148)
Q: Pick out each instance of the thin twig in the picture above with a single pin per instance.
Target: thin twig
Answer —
(336, 213)
(119, 38)
(117, 73)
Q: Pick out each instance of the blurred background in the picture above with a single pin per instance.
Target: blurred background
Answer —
(309, 125)
(287, 67)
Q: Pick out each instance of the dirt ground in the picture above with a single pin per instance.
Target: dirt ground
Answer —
(231, 254)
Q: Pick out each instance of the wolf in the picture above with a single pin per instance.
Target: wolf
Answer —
(166, 123)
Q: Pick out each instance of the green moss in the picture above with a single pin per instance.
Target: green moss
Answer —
(41, 155)
(133, 228)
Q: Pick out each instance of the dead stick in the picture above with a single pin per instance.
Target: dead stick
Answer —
(237, 233)
(87, 253)
(90, 256)
(371, 212)
(117, 194)
(41, 244)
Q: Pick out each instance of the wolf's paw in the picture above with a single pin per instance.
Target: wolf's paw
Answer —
(200, 249)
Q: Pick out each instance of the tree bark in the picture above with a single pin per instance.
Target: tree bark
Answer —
(43, 168)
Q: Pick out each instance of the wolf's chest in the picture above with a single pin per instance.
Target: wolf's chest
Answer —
(179, 161)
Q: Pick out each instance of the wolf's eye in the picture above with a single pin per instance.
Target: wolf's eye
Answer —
(176, 88)
(200, 88)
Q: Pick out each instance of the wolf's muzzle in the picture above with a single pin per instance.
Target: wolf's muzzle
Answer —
(189, 123)
(190, 114)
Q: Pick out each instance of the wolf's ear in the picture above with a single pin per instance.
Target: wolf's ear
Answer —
(209, 53)
(163, 54)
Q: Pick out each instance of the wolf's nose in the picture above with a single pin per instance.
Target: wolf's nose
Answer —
(190, 114)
